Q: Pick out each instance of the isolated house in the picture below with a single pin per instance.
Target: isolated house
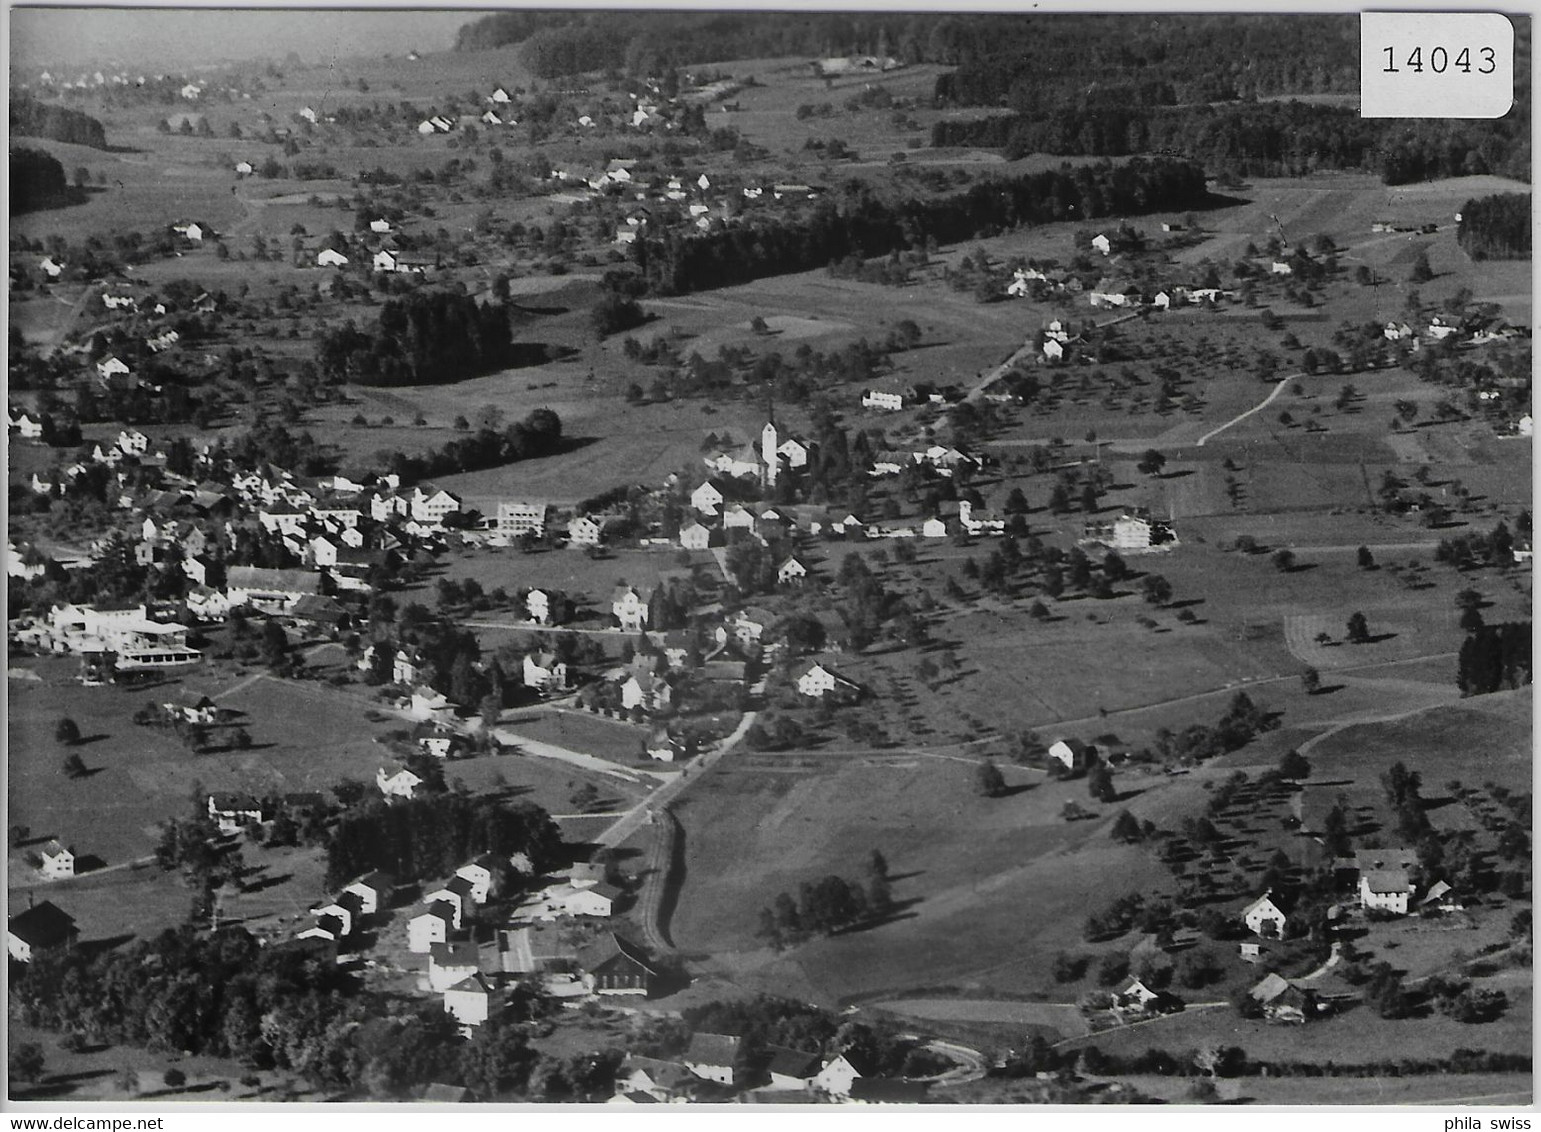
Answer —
(1102, 243)
(329, 257)
(1282, 1000)
(876, 399)
(1072, 754)
(816, 681)
(42, 928)
(396, 781)
(629, 608)
(58, 862)
(1266, 916)
(537, 604)
(1135, 996)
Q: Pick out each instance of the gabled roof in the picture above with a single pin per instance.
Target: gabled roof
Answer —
(443, 909)
(1272, 986)
(712, 1049)
(786, 1062)
(1387, 881)
(1282, 903)
(612, 946)
(378, 880)
(463, 953)
(43, 925)
(885, 1090)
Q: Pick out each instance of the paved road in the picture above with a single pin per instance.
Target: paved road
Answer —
(642, 813)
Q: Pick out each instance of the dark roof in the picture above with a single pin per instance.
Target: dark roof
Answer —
(303, 801)
(378, 880)
(459, 885)
(441, 908)
(352, 902)
(610, 947)
(792, 1062)
(463, 953)
(43, 925)
(884, 1090)
(712, 1049)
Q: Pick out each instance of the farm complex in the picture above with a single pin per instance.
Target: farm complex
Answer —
(664, 558)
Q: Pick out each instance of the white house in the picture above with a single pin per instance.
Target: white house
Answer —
(694, 536)
(111, 365)
(430, 927)
(481, 875)
(1102, 244)
(629, 608)
(583, 530)
(1069, 753)
(50, 268)
(380, 227)
(836, 1076)
(712, 1057)
(816, 681)
(58, 862)
(1266, 917)
(544, 672)
(707, 498)
(523, 517)
(430, 705)
(643, 689)
(876, 399)
(1135, 996)
(327, 257)
(791, 572)
(1052, 350)
(456, 895)
(537, 604)
(1279, 267)
(27, 426)
(448, 963)
(396, 781)
(432, 507)
(1385, 890)
(469, 1000)
(373, 891)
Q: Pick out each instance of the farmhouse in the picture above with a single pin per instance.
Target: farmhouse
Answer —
(711, 1057)
(330, 257)
(789, 1069)
(1135, 996)
(396, 781)
(1102, 243)
(58, 862)
(837, 1076)
(1266, 916)
(816, 681)
(544, 672)
(612, 964)
(42, 928)
(1282, 1000)
(1385, 890)
(270, 591)
(1072, 754)
(233, 812)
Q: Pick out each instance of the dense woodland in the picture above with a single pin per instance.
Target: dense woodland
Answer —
(863, 224)
(37, 180)
(426, 338)
(428, 837)
(1496, 227)
(1494, 657)
(33, 119)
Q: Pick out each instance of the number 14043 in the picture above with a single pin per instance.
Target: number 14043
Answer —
(1482, 60)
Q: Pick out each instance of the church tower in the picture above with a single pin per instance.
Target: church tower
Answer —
(769, 442)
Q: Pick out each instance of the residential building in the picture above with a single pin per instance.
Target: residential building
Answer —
(58, 861)
(521, 518)
(429, 928)
(544, 672)
(613, 965)
(470, 999)
(712, 1057)
(41, 928)
(1385, 890)
(396, 781)
(1267, 916)
(816, 680)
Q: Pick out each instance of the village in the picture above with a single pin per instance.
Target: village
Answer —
(582, 601)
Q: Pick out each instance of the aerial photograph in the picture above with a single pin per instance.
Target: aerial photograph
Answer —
(748, 557)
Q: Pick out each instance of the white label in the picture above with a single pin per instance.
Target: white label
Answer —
(1435, 65)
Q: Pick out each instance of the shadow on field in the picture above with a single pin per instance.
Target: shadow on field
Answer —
(90, 947)
(1329, 689)
(60, 1084)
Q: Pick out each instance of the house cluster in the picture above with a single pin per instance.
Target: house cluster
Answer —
(124, 636)
(716, 1067)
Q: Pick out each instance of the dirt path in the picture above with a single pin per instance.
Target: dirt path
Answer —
(1258, 408)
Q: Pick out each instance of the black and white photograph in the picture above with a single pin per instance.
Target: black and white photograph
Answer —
(734, 556)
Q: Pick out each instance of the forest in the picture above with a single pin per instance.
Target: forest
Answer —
(426, 338)
(865, 225)
(37, 180)
(1271, 139)
(33, 119)
(1496, 227)
(1494, 657)
(428, 837)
